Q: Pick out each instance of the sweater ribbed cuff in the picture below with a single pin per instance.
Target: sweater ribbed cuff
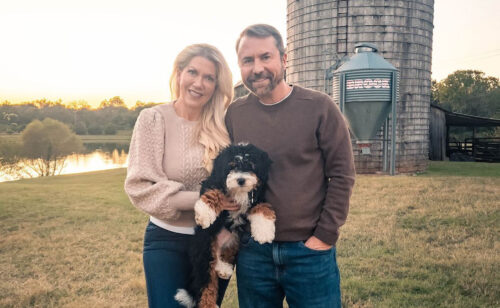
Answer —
(326, 236)
(184, 200)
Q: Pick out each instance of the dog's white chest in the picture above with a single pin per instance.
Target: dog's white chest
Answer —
(244, 203)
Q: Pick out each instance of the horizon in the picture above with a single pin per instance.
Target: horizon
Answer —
(94, 50)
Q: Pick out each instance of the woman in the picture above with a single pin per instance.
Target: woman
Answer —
(171, 152)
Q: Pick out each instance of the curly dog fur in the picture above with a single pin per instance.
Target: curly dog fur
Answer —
(240, 172)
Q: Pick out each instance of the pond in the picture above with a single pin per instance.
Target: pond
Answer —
(95, 156)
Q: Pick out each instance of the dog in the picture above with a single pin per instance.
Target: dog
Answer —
(240, 172)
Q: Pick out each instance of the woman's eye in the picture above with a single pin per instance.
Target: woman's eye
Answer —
(192, 72)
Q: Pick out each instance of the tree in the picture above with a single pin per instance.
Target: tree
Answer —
(469, 92)
(10, 119)
(95, 129)
(113, 102)
(77, 114)
(78, 105)
(434, 92)
(46, 144)
(80, 128)
(9, 158)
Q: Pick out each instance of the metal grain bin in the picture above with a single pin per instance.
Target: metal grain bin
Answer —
(321, 34)
(366, 89)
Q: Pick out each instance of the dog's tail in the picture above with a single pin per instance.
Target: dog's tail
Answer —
(183, 297)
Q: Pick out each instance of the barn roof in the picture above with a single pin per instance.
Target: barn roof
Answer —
(459, 119)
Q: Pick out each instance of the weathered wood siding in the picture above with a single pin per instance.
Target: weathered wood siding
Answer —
(437, 135)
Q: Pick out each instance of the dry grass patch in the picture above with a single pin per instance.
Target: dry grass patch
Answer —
(70, 241)
(422, 242)
(426, 241)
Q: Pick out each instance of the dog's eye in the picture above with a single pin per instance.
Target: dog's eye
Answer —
(232, 164)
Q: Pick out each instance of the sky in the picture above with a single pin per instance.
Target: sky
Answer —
(93, 50)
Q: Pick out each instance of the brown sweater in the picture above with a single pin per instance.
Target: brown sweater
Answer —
(312, 174)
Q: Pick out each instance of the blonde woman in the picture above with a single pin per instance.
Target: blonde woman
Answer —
(171, 152)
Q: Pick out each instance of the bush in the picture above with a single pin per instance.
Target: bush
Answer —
(46, 144)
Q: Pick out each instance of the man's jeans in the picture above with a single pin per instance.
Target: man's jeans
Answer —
(269, 272)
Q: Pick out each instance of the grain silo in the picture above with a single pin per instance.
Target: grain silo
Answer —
(321, 34)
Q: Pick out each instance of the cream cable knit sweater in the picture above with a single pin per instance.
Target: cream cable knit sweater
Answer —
(165, 166)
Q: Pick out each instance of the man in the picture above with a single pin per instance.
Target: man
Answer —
(310, 180)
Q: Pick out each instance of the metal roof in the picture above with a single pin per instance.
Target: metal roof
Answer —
(365, 59)
(459, 119)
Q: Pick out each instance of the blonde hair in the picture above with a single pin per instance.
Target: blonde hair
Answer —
(212, 130)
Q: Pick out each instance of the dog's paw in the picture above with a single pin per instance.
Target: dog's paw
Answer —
(223, 269)
(204, 215)
(183, 297)
(262, 228)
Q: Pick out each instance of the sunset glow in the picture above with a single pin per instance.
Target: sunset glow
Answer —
(97, 49)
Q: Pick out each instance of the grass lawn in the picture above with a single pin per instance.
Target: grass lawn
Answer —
(410, 241)
(447, 168)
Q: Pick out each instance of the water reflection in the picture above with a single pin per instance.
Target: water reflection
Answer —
(95, 157)
(97, 160)
(108, 147)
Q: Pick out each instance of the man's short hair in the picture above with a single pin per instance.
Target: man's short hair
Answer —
(263, 31)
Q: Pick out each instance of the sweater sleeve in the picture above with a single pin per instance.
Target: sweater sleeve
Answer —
(229, 124)
(147, 185)
(335, 143)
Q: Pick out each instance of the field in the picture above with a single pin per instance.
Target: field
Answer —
(430, 240)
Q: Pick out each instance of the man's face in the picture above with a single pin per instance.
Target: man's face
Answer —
(262, 68)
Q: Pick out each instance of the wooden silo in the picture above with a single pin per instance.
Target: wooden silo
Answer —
(321, 34)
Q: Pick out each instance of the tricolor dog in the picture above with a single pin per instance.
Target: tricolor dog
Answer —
(240, 172)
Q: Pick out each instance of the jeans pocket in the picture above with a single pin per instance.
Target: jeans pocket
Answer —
(324, 251)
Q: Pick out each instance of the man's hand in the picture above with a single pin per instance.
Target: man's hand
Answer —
(229, 204)
(315, 243)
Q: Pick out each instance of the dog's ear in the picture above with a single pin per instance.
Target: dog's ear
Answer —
(264, 165)
(262, 172)
(220, 170)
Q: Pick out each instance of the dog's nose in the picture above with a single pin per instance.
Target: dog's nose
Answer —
(241, 181)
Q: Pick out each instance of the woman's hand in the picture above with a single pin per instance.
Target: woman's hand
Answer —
(229, 204)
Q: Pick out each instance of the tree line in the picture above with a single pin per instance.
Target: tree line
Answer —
(111, 116)
(468, 92)
(465, 91)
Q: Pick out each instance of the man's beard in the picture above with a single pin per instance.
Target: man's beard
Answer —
(264, 91)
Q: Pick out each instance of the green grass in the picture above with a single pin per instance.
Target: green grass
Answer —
(424, 241)
(446, 168)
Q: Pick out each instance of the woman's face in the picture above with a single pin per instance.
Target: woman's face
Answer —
(197, 82)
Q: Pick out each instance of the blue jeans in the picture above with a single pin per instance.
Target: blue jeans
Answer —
(167, 267)
(267, 273)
